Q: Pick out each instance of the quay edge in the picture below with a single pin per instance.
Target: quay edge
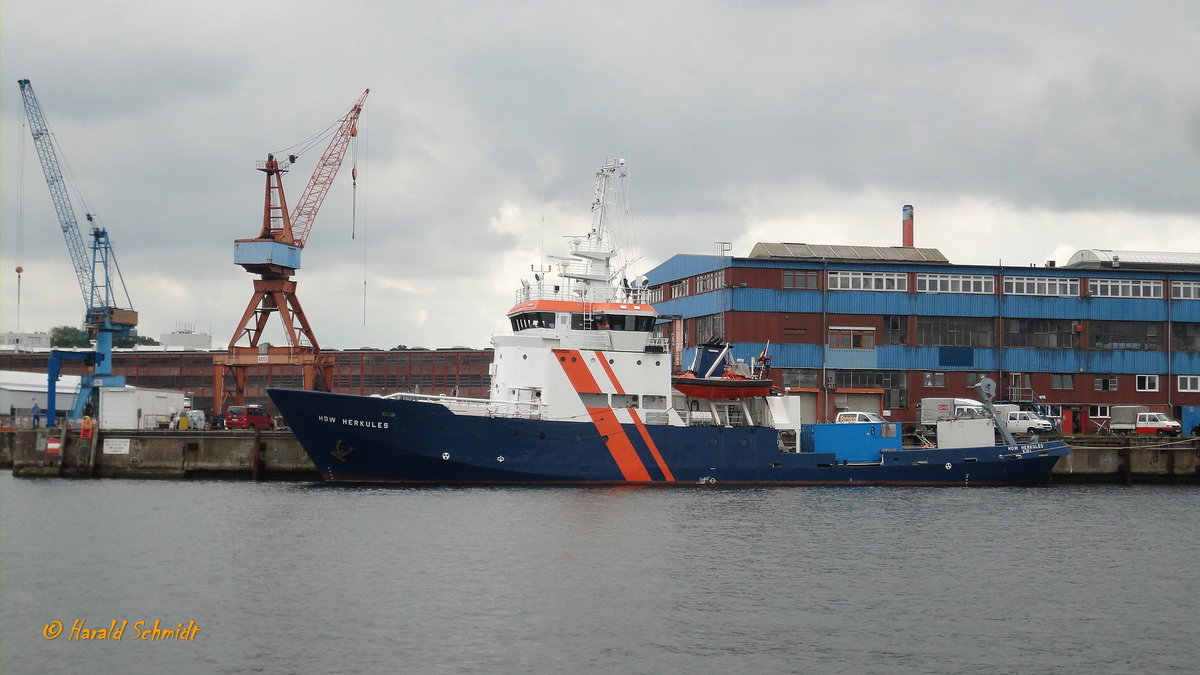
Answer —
(277, 456)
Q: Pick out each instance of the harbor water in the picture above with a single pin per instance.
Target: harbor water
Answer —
(300, 577)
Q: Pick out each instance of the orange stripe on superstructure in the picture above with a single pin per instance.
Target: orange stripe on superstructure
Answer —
(576, 306)
(658, 458)
(611, 375)
(577, 371)
(619, 445)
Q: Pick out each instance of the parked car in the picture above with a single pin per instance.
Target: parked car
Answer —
(852, 417)
(248, 417)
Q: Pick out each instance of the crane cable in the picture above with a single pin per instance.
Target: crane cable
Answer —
(354, 201)
(20, 216)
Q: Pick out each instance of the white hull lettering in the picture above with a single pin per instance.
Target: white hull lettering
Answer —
(345, 421)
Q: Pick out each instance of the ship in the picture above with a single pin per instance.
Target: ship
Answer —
(583, 392)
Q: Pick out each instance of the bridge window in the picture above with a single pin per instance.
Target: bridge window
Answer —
(527, 320)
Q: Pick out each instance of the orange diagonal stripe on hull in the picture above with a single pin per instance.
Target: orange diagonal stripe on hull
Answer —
(619, 445)
(662, 464)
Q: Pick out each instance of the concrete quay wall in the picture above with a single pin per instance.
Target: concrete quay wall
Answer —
(276, 455)
(269, 455)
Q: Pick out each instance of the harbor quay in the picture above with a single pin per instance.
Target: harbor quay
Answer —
(277, 456)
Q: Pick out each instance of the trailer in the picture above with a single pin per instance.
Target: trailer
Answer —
(138, 408)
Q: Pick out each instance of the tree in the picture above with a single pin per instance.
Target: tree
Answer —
(68, 336)
(126, 342)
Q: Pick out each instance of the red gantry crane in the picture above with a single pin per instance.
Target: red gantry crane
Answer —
(274, 255)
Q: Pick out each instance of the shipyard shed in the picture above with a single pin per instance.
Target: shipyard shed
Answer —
(19, 391)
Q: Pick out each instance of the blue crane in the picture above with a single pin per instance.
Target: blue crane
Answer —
(96, 272)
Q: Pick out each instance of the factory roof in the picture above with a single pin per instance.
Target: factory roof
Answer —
(1096, 258)
(843, 252)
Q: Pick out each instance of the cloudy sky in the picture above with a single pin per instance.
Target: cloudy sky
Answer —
(1020, 131)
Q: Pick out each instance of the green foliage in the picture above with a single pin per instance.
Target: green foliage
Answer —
(67, 337)
(126, 342)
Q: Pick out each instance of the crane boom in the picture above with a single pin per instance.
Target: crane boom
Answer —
(274, 255)
(326, 170)
(103, 318)
(58, 191)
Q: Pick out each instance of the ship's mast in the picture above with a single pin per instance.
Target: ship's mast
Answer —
(600, 201)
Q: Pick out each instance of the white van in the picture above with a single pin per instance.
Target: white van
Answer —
(1025, 422)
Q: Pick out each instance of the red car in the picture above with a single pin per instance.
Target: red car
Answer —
(248, 417)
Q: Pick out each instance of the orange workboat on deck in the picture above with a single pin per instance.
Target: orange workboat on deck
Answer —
(715, 375)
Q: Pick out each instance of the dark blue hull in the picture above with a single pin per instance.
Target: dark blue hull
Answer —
(369, 439)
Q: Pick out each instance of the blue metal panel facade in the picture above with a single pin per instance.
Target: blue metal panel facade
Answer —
(850, 358)
(868, 302)
(947, 304)
(683, 266)
(691, 306)
(1113, 309)
(930, 358)
(1033, 307)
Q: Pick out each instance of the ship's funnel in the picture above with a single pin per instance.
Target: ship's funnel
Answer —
(908, 225)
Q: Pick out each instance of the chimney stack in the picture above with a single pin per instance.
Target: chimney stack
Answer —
(908, 225)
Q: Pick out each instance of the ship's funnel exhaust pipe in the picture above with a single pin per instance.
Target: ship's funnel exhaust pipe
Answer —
(908, 225)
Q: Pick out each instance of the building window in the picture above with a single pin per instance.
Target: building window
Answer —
(1189, 383)
(1145, 335)
(1062, 381)
(654, 295)
(805, 279)
(710, 328)
(1041, 333)
(679, 289)
(1098, 411)
(852, 338)
(1147, 383)
(1185, 290)
(1054, 286)
(956, 283)
(955, 331)
(974, 378)
(895, 330)
(1185, 337)
(892, 382)
(868, 281)
(935, 379)
(710, 282)
(1107, 382)
(1125, 288)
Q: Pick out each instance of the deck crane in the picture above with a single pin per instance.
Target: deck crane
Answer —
(106, 316)
(274, 255)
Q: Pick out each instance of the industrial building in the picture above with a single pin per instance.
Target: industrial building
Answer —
(880, 328)
(459, 371)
